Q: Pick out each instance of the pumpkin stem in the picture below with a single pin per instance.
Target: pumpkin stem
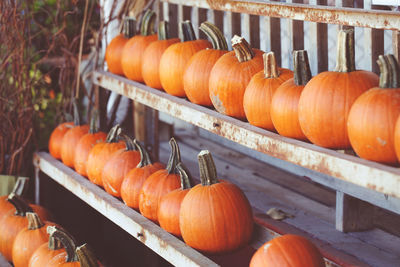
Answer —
(144, 155)
(389, 77)
(86, 257)
(345, 58)
(54, 244)
(242, 49)
(147, 24)
(21, 207)
(128, 142)
(66, 240)
(271, 69)
(186, 31)
(77, 120)
(163, 30)
(20, 186)
(302, 72)
(34, 221)
(112, 136)
(94, 126)
(129, 27)
(184, 175)
(216, 36)
(175, 156)
(208, 171)
(394, 69)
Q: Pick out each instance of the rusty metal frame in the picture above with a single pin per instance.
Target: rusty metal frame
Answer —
(378, 19)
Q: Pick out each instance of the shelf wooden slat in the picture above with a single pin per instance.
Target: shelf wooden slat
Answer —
(375, 176)
(167, 246)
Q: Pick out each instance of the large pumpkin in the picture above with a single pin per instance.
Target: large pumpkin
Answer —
(132, 54)
(372, 118)
(230, 76)
(56, 138)
(215, 215)
(152, 56)
(159, 184)
(288, 251)
(133, 181)
(285, 102)
(326, 100)
(197, 74)
(260, 90)
(175, 58)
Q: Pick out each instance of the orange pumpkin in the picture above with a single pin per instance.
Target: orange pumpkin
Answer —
(159, 184)
(56, 138)
(372, 118)
(170, 204)
(118, 166)
(175, 58)
(396, 139)
(152, 56)
(230, 76)
(221, 207)
(133, 181)
(132, 54)
(259, 92)
(288, 251)
(326, 100)
(19, 188)
(101, 153)
(285, 102)
(197, 74)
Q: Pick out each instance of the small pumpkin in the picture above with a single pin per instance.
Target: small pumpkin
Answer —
(86, 144)
(133, 181)
(288, 251)
(260, 90)
(326, 100)
(132, 54)
(175, 58)
(197, 74)
(101, 153)
(19, 188)
(170, 204)
(114, 49)
(152, 56)
(118, 166)
(159, 184)
(372, 118)
(285, 102)
(230, 76)
(29, 239)
(56, 137)
(215, 215)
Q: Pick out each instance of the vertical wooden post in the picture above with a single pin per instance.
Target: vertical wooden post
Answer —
(275, 37)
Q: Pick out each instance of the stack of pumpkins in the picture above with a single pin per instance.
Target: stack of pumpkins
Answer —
(27, 239)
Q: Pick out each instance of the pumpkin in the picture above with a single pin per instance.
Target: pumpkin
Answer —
(285, 102)
(19, 188)
(133, 181)
(118, 166)
(288, 251)
(197, 73)
(175, 58)
(132, 54)
(326, 100)
(29, 239)
(86, 143)
(397, 138)
(260, 90)
(101, 153)
(152, 56)
(114, 49)
(159, 184)
(170, 204)
(56, 138)
(215, 215)
(372, 118)
(71, 139)
(230, 76)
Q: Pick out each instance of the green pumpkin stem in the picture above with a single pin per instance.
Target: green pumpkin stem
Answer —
(345, 58)
(86, 256)
(208, 171)
(302, 72)
(163, 30)
(174, 158)
(94, 126)
(215, 35)
(34, 221)
(389, 77)
(77, 120)
(66, 240)
(112, 136)
(129, 29)
(21, 207)
(147, 24)
(242, 49)
(271, 69)
(130, 146)
(144, 155)
(187, 31)
(184, 175)
(20, 186)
